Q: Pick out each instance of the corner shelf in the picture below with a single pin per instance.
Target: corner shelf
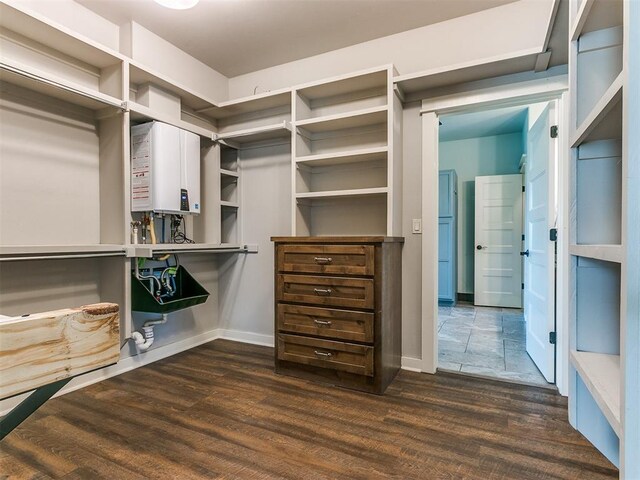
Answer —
(248, 105)
(601, 375)
(229, 173)
(600, 111)
(140, 113)
(141, 74)
(239, 138)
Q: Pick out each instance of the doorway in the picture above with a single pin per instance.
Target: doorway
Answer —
(496, 200)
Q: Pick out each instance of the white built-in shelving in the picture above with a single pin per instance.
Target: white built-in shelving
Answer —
(346, 174)
(604, 72)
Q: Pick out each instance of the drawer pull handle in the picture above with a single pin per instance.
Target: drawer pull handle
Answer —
(322, 291)
(323, 354)
(321, 322)
(322, 260)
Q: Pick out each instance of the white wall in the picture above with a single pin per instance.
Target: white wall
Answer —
(492, 33)
(149, 49)
(246, 281)
(470, 158)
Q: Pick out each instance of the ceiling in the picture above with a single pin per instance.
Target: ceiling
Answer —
(241, 36)
(483, 124)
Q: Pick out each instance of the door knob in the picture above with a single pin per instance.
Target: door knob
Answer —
(480, 247)
(525, 253)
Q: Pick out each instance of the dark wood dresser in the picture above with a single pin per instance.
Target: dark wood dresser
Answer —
(338, 309)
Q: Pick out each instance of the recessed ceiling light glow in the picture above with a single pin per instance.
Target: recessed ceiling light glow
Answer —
(177, 4)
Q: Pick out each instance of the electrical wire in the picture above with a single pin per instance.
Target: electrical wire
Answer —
(178, 230)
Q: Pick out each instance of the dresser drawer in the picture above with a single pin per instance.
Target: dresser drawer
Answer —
(329, 291)
(329, 259)
(325, 322)
(346, 357)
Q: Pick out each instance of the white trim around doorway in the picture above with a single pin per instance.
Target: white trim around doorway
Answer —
(533, 91)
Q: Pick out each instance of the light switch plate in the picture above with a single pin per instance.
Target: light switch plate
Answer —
(416, 225)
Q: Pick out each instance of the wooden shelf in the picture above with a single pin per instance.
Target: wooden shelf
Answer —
(594, 16)
(57, 37)
(280, 130)
(607, 253)
(140, 113)
(249, 105)
(359, 118)
(226, 204)
(601, 375)
(140, 74)
(361, 192)
(338, 158)
(38, 252)
(600, 111)
(56, 87)
(148, 251)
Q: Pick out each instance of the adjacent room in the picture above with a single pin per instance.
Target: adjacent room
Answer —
(487, 223)
(320, 239)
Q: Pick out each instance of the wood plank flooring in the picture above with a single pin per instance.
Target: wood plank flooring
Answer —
(219, 411)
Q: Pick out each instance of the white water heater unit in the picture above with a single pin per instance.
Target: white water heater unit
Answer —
(165, 169)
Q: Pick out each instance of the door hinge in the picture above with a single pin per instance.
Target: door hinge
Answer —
(523, 286)
(523, 188)
(553, 131)
(553, 234)
(552, 338)
(523, 237)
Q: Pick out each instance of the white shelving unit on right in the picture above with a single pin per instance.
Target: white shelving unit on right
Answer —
(604, 70)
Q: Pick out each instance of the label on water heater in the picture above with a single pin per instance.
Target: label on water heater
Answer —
(140, 172)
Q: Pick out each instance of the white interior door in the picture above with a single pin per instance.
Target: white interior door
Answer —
(539, 264)
(498, 236)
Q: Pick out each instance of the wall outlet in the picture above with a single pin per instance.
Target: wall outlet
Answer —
(416, 225)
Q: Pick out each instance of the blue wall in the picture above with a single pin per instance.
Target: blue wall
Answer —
(470, 158)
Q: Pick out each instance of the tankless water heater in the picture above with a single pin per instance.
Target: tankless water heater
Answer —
(165, 169)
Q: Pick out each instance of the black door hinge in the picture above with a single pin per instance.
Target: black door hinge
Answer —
(523, 237)
(523, 188)
(553, 131)
(552, 338)
(553, 234)
(523, 286)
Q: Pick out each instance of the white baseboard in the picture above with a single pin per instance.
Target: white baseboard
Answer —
(411, 364)
(247, 337)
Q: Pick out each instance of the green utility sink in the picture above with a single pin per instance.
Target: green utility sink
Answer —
(189, 293)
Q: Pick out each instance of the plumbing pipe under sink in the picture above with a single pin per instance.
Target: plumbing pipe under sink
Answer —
(144, 339)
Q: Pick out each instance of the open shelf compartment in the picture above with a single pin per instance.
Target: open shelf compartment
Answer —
(599, 193)
(343, 95)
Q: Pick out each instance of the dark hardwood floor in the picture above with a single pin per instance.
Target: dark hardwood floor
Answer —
(219, 411)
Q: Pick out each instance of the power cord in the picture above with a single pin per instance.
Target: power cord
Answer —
(178, 230)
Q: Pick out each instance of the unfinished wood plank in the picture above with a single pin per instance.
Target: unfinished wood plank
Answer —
(42, 348)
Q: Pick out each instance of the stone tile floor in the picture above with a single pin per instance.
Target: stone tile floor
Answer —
(487, 341)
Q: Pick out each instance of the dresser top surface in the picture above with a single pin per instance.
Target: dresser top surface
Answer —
(339, 239)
